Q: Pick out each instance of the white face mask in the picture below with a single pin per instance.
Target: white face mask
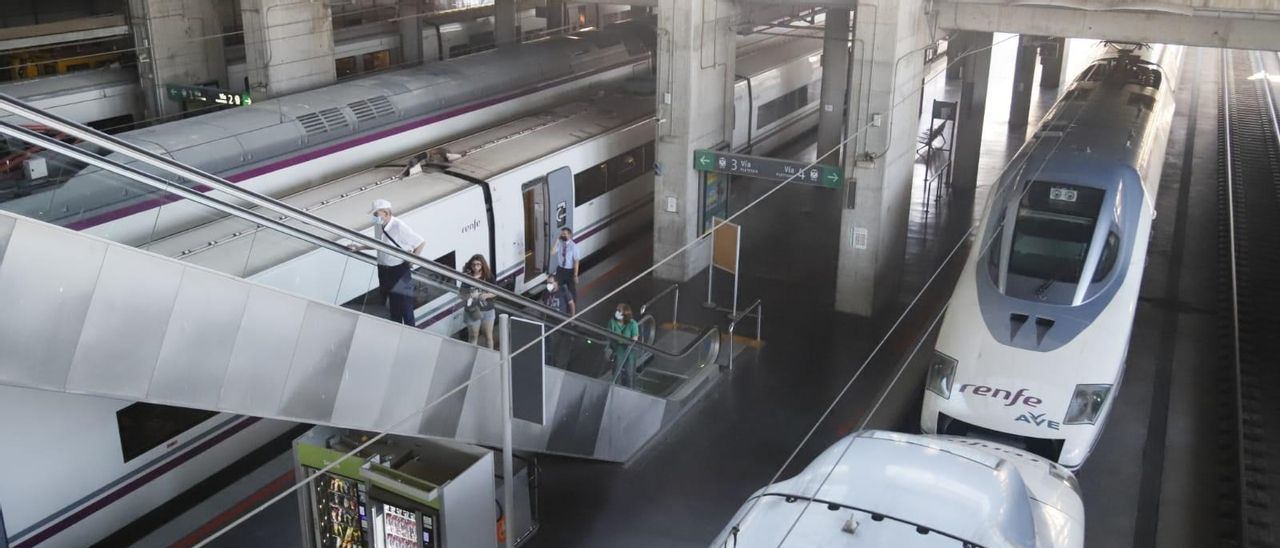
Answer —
(551, 287)
(377, 221)
(617, 314)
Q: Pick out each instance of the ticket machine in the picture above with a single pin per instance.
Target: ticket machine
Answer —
(404, 492)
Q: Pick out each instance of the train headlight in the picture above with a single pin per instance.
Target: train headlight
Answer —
(1087, 403)
(942, 370)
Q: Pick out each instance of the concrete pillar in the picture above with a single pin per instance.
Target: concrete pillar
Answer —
(504, 23)
(179, 42)
(288, 46)
(695, 81)
(970, 111)
(555, 16)
(1024, 74)
(1053, 57)
(409, 21)
(835, 88)
(884, 94)
(955, 48)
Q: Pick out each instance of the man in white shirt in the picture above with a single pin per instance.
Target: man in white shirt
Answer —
(393, 273)
(564, 255)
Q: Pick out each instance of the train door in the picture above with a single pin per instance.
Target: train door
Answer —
(548, 207)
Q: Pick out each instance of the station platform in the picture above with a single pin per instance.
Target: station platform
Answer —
(1141, 486)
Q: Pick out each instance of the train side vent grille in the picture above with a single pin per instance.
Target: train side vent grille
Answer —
(333, 119)
(311, 123)
(372, 108)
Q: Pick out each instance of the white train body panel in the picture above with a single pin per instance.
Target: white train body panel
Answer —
(888, 486)
(1037, 329)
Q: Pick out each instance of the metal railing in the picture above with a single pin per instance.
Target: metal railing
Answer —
(113, 144)
(675, 305)
(758, 306)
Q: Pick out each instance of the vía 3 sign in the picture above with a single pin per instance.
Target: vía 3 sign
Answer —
(767, 168)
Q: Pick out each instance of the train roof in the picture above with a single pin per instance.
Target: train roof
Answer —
(234, 245)
(63, 84)
(798, 43)
(887, 487)
(497, 150)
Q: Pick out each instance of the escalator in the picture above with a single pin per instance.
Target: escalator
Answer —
(122, 321)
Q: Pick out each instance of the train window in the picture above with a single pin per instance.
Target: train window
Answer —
(1052, 231)
(779, 108)
(590, 184)
(346, 66)
(1108, 260)
(145, 426)
(377, 60)
(625, 167)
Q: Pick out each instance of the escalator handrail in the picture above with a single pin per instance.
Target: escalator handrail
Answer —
(113, 144)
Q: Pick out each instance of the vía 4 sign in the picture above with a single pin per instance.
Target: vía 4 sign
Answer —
(767, 168)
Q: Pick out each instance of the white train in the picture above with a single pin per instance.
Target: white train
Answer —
(876, 489)
(1032, 348)
(104, 474)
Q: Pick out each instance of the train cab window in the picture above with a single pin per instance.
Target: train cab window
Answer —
(1052, 231)
(145, 426)
(427, 292)
(590, 183)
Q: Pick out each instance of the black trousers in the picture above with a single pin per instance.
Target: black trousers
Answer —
(396, 284)
(564, 277)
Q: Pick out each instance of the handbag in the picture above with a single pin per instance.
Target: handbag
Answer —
(404, 282)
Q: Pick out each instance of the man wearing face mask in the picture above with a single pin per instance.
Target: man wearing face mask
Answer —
(565, 256)
(394, 280)
(558, 298)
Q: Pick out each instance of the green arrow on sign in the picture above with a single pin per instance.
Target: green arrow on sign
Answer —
(831, 177)
(704, 159)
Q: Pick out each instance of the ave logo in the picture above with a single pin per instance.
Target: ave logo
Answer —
(1038, 420)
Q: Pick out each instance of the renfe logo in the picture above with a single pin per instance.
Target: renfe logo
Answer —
(1004, 395)
(473, 225)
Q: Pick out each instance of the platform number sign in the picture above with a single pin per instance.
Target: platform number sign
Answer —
(768, 168)
(1062, 194)
(562, 214)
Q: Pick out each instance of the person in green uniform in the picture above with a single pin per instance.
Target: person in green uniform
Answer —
(622, 354)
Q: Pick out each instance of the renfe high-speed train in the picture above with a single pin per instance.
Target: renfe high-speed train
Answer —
(106, 462)
(282, 145)
(876, 489)
(1033, 345)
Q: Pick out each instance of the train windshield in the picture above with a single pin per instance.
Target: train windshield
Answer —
(1051, 234)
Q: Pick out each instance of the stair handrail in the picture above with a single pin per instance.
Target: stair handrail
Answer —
(113, 144)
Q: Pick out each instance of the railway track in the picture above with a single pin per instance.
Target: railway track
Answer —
(1249, 238)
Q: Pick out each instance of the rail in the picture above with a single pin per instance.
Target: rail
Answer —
(758, 306)
(113, 144)
(675, 305)
(1235, 310)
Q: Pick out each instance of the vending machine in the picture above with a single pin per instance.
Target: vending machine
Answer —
(403, 492)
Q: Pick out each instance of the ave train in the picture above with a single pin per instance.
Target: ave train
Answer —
(875, 489)
(1032, 349)
(90, 480)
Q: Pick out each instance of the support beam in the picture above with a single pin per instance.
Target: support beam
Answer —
(970, 112)
(695, 96)
(884, 88)
(288, 46)
(1053, 57)
(955, 48)
(1024, 74)
(1240, 30)
(504, 23)
(835, 88)
(179, 42)
(410, 22)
